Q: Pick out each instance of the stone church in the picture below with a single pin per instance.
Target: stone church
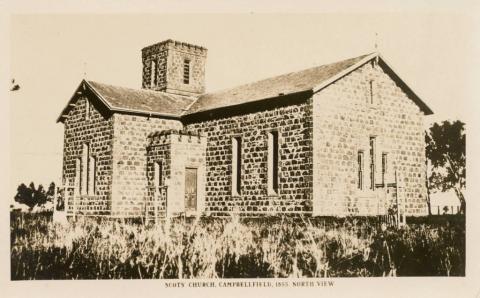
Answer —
(340, 139)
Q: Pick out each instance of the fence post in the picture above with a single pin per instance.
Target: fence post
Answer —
(74, 205)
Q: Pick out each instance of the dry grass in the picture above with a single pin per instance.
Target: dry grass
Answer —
(224, 248)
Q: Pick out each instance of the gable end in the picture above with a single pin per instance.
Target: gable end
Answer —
(388, 69)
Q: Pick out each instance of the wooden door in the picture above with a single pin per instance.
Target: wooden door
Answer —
(190, 189)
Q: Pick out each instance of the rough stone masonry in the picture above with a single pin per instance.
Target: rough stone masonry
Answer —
(334, 140)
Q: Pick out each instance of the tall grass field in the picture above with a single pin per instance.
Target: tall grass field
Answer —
(273, 247)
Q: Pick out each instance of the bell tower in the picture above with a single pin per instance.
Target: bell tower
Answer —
(174, 67)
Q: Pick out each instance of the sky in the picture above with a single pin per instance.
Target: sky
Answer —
(51, 54)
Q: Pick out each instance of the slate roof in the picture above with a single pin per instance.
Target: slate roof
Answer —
(142, 99)
(157, 103)
(272, 87)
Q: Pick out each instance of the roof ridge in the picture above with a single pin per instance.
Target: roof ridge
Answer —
(154, 92)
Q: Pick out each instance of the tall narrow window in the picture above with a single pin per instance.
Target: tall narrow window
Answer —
(360, 169)
(236, 165)
(372, 162)
(87, 109)
(78, 175)
(384, 166)
(92, 167)
(153, 73)
(272, 172)
(84, 170)
(158, 177)
(186, 71)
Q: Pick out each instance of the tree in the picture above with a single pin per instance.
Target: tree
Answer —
(446, 151)
(39, 196)
(32, 196)
(25, 195)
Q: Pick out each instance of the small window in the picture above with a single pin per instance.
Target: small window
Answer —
(236, 166)
(371, 93)
(372, 162)
(272, 172)
(384, 165)
(360, 169)
(153, 73)
(186, 71)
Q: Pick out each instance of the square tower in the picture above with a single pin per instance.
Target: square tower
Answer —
(174, 67)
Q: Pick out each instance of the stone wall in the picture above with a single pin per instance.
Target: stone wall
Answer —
(159, 54)
(319, 139)
(158, 151)
(176, 151)
(169, 56)
(97, 132)
(129, 190)
(344, 118)
(294, 126)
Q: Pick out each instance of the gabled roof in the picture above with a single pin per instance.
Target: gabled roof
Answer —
(313, 79)
(140, 101)
(155, 103)
(272, 87)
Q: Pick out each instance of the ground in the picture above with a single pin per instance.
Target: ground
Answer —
(245, 248)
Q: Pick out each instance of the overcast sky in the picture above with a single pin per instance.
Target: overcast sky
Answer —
(51, 53)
